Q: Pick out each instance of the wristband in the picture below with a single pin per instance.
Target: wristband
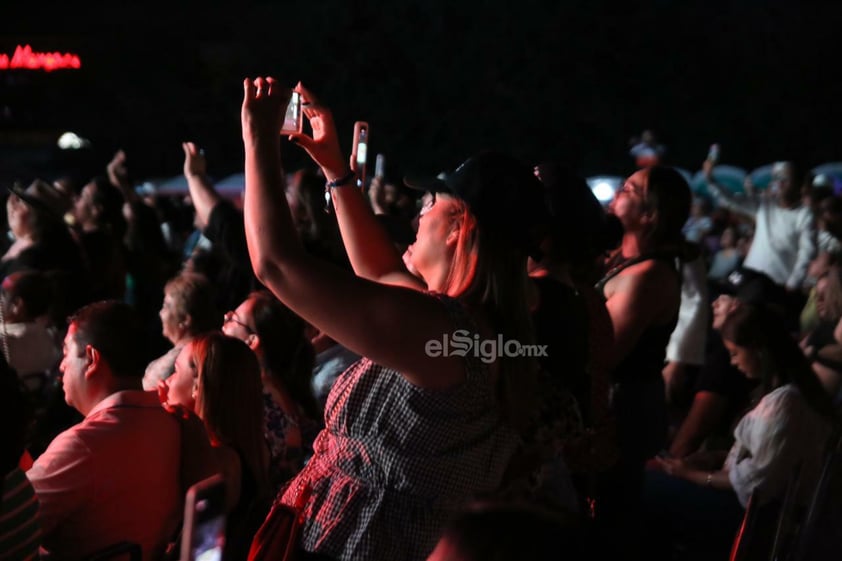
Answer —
(342, 181)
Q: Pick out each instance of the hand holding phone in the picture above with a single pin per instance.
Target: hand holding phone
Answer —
(359, 152)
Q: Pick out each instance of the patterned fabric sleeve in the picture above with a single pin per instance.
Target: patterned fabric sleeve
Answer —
(20, 530)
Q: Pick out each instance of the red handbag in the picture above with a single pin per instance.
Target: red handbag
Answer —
(277, 537)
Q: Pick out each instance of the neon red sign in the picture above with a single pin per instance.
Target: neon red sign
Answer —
(27, 59)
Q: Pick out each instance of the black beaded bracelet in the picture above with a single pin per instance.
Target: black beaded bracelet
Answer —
(342, 181)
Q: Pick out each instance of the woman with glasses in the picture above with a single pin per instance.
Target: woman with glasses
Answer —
(412, 431)
(291, 414)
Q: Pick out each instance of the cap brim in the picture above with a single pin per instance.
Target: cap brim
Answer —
(431, 184)
(31, 201)
(19, 193)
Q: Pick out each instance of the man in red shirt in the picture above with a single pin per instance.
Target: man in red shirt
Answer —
(117, 475)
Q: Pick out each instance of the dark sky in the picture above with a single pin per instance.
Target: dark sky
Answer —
(437, 80)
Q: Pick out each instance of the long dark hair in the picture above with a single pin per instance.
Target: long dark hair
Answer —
(287, 355)
(668, 194)
(230, 398)
(781, 359)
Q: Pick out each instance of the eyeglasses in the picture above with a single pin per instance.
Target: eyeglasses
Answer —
(428, 204)
(231, 317)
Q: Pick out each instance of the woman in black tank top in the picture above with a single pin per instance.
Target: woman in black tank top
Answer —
(642, 289)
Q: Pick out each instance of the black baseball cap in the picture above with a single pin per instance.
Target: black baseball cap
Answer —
(756, 289)
(502, 193)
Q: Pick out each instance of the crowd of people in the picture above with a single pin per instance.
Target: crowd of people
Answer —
(485, 364)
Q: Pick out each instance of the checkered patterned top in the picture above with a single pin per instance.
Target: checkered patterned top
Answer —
(395, 460)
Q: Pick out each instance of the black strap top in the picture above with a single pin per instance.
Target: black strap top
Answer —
(646, 360)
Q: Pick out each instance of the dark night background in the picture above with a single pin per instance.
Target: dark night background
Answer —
(436, 80)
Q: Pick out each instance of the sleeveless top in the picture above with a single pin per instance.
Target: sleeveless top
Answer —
(646, 359)
(638, 397)
(395, 461)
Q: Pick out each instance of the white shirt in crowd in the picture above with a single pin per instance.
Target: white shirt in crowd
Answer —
(784, 238)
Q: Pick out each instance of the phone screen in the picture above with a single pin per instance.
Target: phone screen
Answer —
(292, 117)
(380, 165)
(362, 147)
(204, 521)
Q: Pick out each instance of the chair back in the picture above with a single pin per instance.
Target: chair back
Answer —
(820, 500)
(767, 530)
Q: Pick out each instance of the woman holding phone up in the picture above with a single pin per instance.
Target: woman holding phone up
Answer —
(412, 432)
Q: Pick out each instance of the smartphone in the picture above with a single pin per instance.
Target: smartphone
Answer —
(380, 166)
(292, 118)
(360, 150)
(203, 534)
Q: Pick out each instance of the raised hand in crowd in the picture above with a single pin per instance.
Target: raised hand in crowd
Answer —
(372, 254)
(195, 163)
(202, 192)
(118, 173)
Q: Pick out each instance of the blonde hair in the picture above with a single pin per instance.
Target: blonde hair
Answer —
(230, 399)
(463, 264)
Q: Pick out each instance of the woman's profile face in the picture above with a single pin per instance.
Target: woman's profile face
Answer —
(171, 319)
(629, 201)
(746, 360)
(182, 387)
(435, 223)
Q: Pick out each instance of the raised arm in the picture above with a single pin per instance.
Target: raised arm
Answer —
(202, 193)
(371, 252)
(746, 207)
(390, 325)
(118, 176)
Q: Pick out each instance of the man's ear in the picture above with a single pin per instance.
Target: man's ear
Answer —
(92, 359)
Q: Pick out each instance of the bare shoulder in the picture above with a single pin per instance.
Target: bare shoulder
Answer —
(652, 274)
